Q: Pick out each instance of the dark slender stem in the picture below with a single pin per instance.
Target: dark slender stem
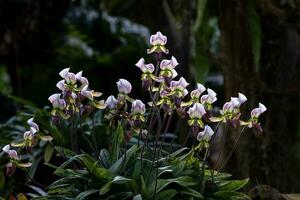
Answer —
(187, 138)
(94, 132)
(33, 181)
(221, 147)
(232, 150)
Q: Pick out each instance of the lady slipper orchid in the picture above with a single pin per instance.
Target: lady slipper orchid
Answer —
(147, 75)
(57, 102)
(69, 77)
(33, 126)
(111, 102)
(179, 87)
(209, 98)
(195, 94)
(168, 71)
(137, 111)
(138, 107)
(84, 81)
(61, 85)
(158, 41)
(146, 68)
(206, 134)
(256, 112)
(195, 113)
(124, 86)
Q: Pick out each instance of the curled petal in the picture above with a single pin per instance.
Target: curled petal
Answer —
(197, 92)
(61, 85)
(32, 124)
(6, 148)
(168, 64)
(78, 75)
(256, 112)
(64, 72)
(242, 98)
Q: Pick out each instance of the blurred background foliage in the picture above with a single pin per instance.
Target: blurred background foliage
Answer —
(250, 46)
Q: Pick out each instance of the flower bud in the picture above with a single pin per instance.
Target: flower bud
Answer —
(124, 86)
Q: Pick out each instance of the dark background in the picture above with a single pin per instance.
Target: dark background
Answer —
(249, 46)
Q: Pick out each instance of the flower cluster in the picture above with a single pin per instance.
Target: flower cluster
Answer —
(74, 91)
(30, 139)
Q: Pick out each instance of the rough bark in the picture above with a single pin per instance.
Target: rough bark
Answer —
(271, 158)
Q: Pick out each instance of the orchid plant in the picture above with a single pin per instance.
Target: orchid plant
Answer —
(130, 118)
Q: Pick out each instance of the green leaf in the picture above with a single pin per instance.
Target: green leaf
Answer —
(48, 153)
(233, 185)
(166, 195)
(232, 195)
(105, 188)
(191, 192)
(116, 167)
(117, 139)
(183, 181)
(85, 194)
(104, 158)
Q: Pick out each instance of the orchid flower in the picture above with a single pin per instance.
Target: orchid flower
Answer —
(137, 112)
(209, 98)
(206, 134)
(196, 113)
(14, 161)
(124, 86)
(57, 102)
(253, 121)
(147, 75)
(84, 81)
(69, 77)
(158, 41)
(168, 71)
(111, 102)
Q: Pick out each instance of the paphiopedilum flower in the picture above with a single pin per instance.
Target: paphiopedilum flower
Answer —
(208, 99)
(14, 161)
(69, 77)
(90, 94)
(33, 126)
(195, 95)
(147, 75)
(158, 42)
(205, 135)
(137, 112)
(62, 85)
(111, 102)
(196, 113)
(253, 121)
(178, 90)
(84, 81)
(57, 102)
(124, 86)
(168, 71)
(138, 107)
(256, 112)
